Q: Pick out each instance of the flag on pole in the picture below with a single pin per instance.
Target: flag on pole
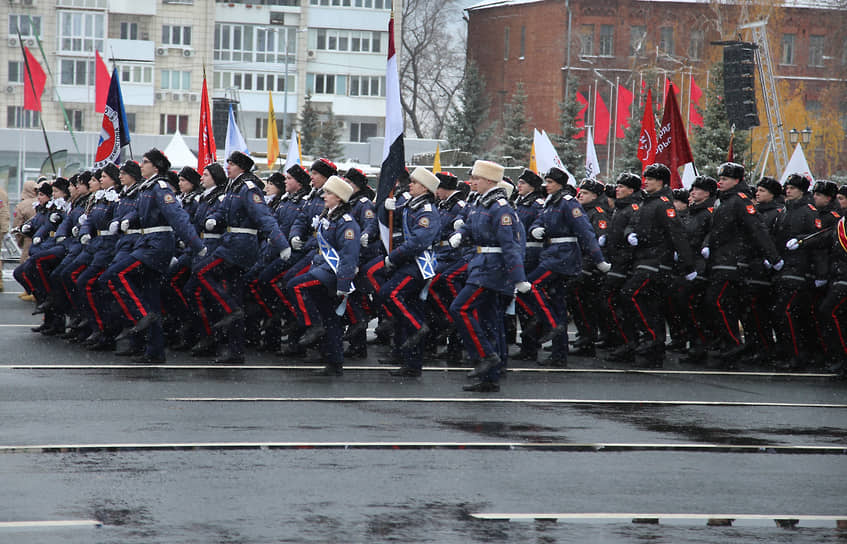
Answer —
(647, 138)
(669, 84)
(592, 165)
(672, 148)
(533, 163)
(35, 79)
(688, 175)
(293, 156)
(546, 156)
(436, 161)
(579, 120)
(234, 139)
(114, 132)
(602, 120)
(393, 151)
(730, 153)
(207, 153)
(101, 82)
(625, 98)
(695, 94)
(273, 139)
(797, 165)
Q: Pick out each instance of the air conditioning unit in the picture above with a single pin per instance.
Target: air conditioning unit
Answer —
(162, 51)
(311, 54)
(30, 42)
(27, 2)
(10, 89)
(160, 96)
(145, 36)
(187, 52)
(176, 97)
(13, 42)
(194, 97)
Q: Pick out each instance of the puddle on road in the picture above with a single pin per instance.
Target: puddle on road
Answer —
(518, 432)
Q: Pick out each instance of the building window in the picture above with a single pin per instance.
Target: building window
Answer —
(263, 82)
(666, 40)
(176, 35)
(367, 86)
(506, 43)
(367, 4)
(76, 119)
(586, 36)
(81, 31)
(637, 39)
(326, 39)
(76, 72)
(787, 49)
(607, 40)
(22, 23)
(177, 80)
(523, 42)
(136, 74)
(16, 71)
(18, 117)
(233, 42)
(695, 44)
(129, 31)
(815, 50)
(360, 132)
(168, 123)
(130, 121)
(272, 44)
(262, 127)
(324, 84)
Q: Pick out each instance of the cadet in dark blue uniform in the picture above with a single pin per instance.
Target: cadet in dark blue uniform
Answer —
(321, 293)
(494, 273)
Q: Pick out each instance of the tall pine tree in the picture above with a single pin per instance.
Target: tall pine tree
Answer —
(310, 126)
(710, 142)
(565, 144)
(328, 144)
(465, 130)
(517, 142)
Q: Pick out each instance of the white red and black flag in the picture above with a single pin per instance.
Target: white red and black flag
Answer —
(114, 132)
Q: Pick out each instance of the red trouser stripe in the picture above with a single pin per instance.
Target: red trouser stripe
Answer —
(201, 275)
(524, 306)
(615, 317)
(838, 325)
(89, 293)
(122, 275)
(298, 293)
(440, 304)
(280, 293)
(39, 261)
(638, 308)
(401, 306)
(539, 297)
(254, 290)
(120, 300)
(466, 319)
(723, 315)
(175, 285)
(198, 296)
(28, 282)
(373, 270)
(791, 324)
(451, 279)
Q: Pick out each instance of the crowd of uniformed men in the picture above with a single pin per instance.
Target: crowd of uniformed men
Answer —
(137, 257)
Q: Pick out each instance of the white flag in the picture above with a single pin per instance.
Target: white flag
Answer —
(293, 155)
(592, 165)
(797, 165)
(234, 139)
(688, 175)
(546, 156)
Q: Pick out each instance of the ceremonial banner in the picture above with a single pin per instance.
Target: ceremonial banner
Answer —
(207, 153)
(114, 132)
(672, 147)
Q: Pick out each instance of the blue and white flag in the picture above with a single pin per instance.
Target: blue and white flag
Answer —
(329, 253)
(234, 140)
(293, 155)
(592, 165)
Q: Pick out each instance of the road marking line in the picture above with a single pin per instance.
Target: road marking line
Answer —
(762, 520)
(33, 324)
(497, 446)
(507, 401)
(57, 523)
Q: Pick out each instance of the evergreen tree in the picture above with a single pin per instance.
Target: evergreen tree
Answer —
(710, 142)
(328, 144)
(565, 144)
(627, 156)
(465, 129)
(517, 143)
(310, 126)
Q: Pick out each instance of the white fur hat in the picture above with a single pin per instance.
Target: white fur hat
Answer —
(488, 170)
(339, 188)
(508, 187)
(425, 178)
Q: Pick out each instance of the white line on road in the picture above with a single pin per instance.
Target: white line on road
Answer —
(761, 520)
(56, 523)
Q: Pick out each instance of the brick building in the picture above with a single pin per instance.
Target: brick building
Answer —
(605, 42)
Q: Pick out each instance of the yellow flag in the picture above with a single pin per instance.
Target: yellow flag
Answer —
(436, 162)
(533, 165)
(299, 148)
(273, 139)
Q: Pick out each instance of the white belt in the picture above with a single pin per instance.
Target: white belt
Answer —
(105, 233)
(535, 244)
(153, 230)
(563, 239)
(240, 230)
(133, 231)
(488, 249)
(209, 235)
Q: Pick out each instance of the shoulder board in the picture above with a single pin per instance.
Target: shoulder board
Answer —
(427, 207)
(347, 217)
(568, 197)
(502, 202)
(407, 195)
(836, 214)
(250, 184)
(599, 209)
(162, 183)
(811, 207)
(711, 210)
(664, 199)
(743, 195)
(539, 201)
(462, 203)
(221, 198)
(364, 199)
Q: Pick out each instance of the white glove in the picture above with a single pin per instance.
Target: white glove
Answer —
(779, 264)
(458, 223)
(60, 239)
(83, 218)
(632, 239)
(85, 238)
(523, 287)
(296, 243)
(388, 263)
(341, 293)
(390, 203)
(675, 257)
(538, 233)
(125, 225)
(604, 267)
(455, 239)
(75, 231)
(792, 244)
(820, 283)
(55, 217)
(316, 220)
(203, 252)
(26, 228)
(690, 277)
(285, 254)
(705, 252)
(767, 264)
(601, 241)
(364, 239)
(174, 261)
(210, 224)
(36, 240)
(113, 227)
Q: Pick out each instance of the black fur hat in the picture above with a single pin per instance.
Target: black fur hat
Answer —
(191, 175)
(159, 160)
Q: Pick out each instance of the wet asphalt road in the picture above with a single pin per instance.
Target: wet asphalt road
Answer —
(273, 454)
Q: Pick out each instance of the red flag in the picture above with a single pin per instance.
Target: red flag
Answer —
(207, 153)
(34, 86)
(672, 148)
(647, 138)
(101, 83)
(694, 117)
(625, 98)
(669, 83)
(602, 120)
(579, 121)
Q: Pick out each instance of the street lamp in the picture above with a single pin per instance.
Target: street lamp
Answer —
(793, 136)
(804, 136)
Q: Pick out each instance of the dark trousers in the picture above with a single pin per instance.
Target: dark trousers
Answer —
(478, 313)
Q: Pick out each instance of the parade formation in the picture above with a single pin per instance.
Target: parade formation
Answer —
(135, 258)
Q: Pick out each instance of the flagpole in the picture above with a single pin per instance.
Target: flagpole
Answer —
(688, 112)
(32, 87)
(615, 134)
(613, 129)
